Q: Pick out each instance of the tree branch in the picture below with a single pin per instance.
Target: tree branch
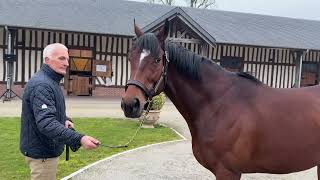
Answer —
(202, 3)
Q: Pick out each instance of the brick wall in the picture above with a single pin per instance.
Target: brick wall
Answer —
(16, 89)
(108, 91)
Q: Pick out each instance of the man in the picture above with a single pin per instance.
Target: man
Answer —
(44, 124)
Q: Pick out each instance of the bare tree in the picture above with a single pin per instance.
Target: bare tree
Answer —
(168, 2)
(205, 4)
(201, 3)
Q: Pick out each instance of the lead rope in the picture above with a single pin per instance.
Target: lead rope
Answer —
(138, 129)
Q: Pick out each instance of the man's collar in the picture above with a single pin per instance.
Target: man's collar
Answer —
(51, 73)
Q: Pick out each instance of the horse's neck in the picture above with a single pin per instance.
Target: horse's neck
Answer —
(190, 96)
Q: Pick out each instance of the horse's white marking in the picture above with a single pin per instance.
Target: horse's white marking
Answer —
(144, 54)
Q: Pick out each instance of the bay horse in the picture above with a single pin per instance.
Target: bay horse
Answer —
(238, 124)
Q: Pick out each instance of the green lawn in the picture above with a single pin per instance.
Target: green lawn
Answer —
(108, 131)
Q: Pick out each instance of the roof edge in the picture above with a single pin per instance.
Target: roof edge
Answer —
(181, 14)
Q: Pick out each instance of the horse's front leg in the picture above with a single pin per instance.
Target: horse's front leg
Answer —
(224, 174)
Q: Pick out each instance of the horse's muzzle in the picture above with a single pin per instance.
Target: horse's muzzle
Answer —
(132, 108)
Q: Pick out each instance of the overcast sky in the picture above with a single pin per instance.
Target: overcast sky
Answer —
(302, 9)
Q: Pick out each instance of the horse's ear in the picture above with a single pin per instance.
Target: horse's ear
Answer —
(137, 30)
(163, 33)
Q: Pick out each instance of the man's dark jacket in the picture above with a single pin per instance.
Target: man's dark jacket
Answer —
(43, 133)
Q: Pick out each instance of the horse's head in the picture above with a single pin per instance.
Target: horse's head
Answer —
(148, 62)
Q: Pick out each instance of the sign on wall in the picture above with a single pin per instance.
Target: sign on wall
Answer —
(102, 68)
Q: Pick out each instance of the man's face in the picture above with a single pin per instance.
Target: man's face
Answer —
(59, 61)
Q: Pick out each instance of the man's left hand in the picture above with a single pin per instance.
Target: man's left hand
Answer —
(68, 124)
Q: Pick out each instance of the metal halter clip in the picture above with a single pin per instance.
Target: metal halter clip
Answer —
(167, 56)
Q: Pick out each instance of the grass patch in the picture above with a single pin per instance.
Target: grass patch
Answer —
(107, 130)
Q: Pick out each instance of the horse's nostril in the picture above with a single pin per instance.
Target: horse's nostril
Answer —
(131, 108)
(136, 102)
(122, 104)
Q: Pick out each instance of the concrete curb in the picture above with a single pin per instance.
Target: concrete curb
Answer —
(179, 134)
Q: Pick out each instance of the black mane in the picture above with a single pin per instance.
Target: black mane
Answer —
(249, 76)
(148, 41)
(185, 61)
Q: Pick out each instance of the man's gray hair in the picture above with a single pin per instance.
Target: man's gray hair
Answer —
(47, 51)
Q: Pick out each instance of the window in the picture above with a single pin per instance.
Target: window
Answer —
(231, 63)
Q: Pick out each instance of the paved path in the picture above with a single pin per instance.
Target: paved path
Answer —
(169, 161)
(164, 161)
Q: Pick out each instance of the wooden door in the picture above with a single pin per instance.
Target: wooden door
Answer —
(309, 74)
(308, 79)
(80, 79)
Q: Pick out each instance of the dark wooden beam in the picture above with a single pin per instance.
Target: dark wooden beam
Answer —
(17, 55)
(23, 58)
(181, 40)
(117, 61)
(318, 73)
(78, 40)
(127, 64)
(36, 52)
(100, 45)
(3, 53)
(30, 45)
(121, 51)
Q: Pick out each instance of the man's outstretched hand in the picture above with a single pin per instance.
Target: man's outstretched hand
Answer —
(89, 142)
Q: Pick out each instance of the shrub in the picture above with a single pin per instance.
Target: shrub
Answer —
(158, 101)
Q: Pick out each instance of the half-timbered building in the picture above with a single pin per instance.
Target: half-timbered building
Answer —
(281, 52)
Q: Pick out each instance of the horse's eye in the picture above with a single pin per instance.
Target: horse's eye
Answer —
(158, 60)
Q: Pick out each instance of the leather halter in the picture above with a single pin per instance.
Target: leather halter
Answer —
(149, 93)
